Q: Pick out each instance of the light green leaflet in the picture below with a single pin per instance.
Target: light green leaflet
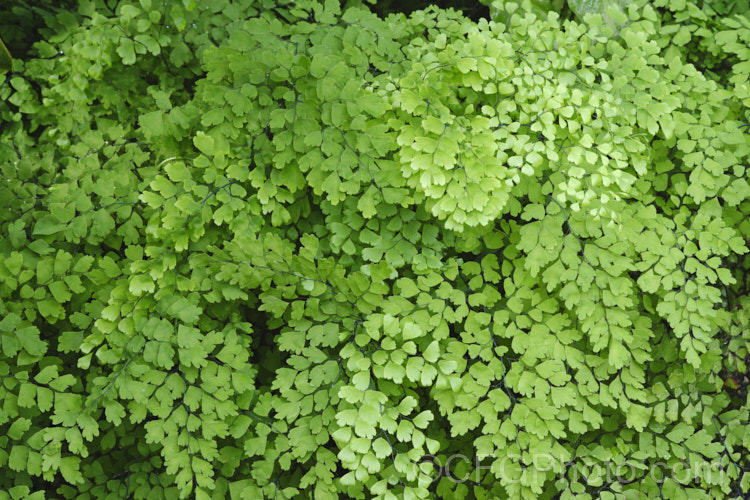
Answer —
(262, 249)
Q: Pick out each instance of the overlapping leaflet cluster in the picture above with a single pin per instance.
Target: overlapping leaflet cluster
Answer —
(281, 250)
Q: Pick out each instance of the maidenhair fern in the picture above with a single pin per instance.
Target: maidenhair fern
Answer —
(263, 249)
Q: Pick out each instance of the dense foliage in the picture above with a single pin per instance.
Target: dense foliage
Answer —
(281, 249)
